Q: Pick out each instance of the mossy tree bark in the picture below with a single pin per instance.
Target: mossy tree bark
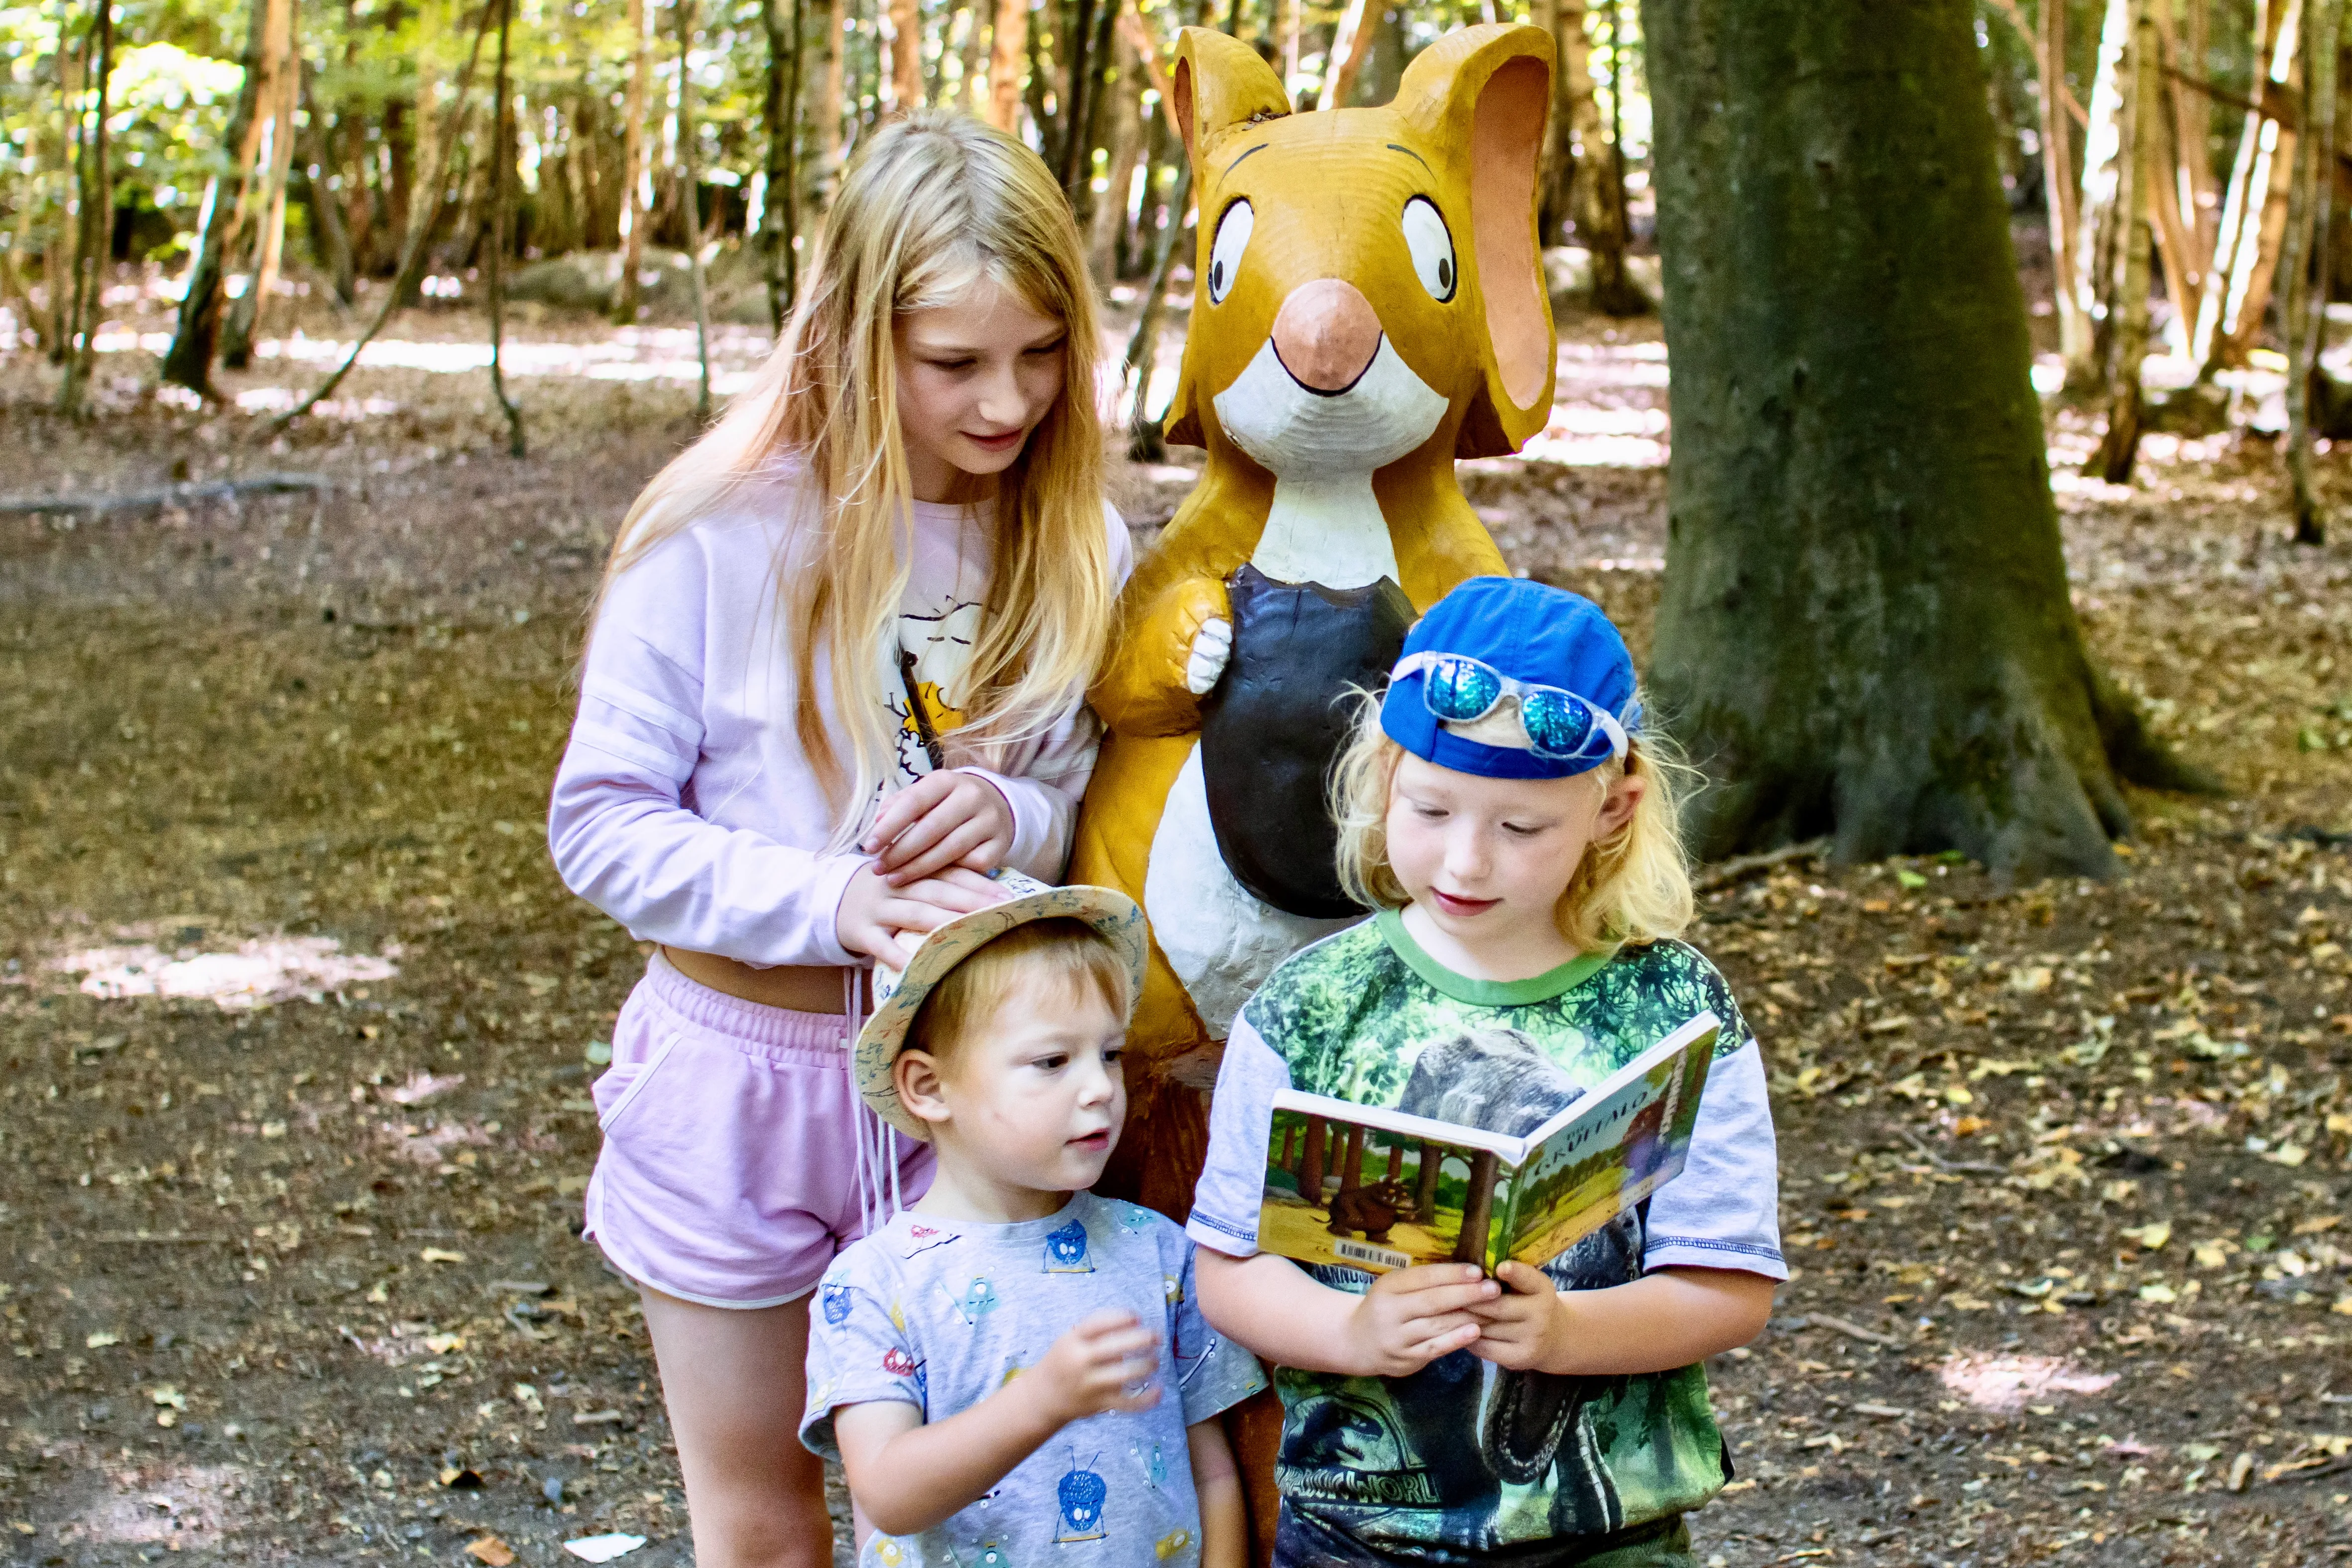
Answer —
(1865, 629)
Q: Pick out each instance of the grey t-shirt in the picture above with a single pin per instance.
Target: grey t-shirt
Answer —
(940, 1313)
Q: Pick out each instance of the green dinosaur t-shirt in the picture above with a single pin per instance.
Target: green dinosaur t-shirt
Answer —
(1463, 1458)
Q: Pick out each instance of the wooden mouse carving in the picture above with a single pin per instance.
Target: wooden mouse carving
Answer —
(1368, 306)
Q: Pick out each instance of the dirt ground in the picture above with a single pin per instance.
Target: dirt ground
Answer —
(299, 1283)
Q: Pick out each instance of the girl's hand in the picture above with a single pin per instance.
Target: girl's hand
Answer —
(942, 819)
(1528, 1328)
(887, 923)
(1412, 1316)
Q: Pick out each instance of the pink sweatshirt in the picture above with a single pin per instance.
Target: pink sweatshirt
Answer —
(684, 808)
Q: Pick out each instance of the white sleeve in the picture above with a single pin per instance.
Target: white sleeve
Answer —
(1724, 1210)
(1231, 1188)
(620, 835)
(1044, 794)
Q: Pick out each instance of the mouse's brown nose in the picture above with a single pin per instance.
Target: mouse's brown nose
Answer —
(1325, 334)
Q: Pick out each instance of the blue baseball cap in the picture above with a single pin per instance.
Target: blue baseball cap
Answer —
(1532, 635)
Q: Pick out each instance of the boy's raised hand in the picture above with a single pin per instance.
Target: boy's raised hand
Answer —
(1524, 1327)
(1107, 1363)
(1410, 1316)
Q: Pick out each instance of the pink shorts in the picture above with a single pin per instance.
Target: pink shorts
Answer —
(737, 1158)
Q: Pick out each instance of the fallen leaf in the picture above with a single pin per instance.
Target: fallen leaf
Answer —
(2005, 1382)
(604, 1548)
(100, 1340)
(420, 1088)
(436, 1255)
(492, 1552)
(2151, 1237)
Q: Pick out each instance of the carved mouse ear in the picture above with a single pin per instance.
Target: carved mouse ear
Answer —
(1485, 90)
(1219, 83)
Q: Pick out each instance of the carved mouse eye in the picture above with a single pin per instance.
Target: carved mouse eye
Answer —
(1226, 251)
(1432, 247)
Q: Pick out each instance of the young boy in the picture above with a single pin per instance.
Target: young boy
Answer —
(1016, 1365)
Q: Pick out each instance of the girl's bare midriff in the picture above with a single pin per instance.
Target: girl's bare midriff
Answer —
(799, 987)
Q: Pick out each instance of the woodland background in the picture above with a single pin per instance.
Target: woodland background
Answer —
(298, 1024)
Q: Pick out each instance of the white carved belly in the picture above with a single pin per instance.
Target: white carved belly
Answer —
(1220, 941)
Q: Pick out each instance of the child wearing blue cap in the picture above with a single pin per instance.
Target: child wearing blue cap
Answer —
(1504, 812)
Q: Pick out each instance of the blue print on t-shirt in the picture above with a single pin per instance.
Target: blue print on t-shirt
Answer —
(1065, 1250)
(1080, 1494)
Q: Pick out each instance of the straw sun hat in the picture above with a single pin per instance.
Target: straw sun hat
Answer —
(898, 998)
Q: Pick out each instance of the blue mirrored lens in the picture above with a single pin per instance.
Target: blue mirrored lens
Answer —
(1460, 689)
(1557, 724)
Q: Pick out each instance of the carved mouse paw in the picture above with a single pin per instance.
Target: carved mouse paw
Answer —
(1212, 647)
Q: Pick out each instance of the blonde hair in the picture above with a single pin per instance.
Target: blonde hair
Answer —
(1633, 886)
(933, 204)
(1065, 951)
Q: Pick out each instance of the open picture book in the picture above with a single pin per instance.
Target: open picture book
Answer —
(1364, 1188)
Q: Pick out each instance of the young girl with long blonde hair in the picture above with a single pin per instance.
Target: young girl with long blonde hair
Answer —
(837, 672)
(1508, 814)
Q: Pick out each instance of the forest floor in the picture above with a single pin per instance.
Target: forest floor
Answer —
(2065, 1166)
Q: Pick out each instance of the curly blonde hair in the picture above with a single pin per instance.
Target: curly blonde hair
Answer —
(1633, 886)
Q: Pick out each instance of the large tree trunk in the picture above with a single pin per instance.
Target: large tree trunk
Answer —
(2127, 324)
(2304, 319)
(636, 210)
(94, 220)
(189, 361)
(273, 159)
(1865, 628)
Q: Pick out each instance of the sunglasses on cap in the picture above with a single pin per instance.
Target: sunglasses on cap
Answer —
(1560, 725)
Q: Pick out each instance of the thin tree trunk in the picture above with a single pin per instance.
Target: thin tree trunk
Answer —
(1854, 416)
(413, 253)
(502, 153)
(1572, 134)
(689, 191)
(320, 199)
(1604, 221)
(1144, 434)
(2058, 180)
(832, 106)
(971, 72)
(2305, 317)
(1124, 137)
(1284, 33)
(779, 221)
(2238, 243)
(61, 256)
(906, 55)
(636, 212)
(1072, 142)
(2103, 220)
(1478, 1209)
(94, 230)
(274, 157)
(1310, 1164)
(1350, 44)
(2135, 165)
(1008, 39)
(189, 361)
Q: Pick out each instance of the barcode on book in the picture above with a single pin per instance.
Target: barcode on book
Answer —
(1357, 1252)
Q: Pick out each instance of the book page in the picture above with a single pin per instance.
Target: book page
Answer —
(1611, 1158)
(1356, 1196)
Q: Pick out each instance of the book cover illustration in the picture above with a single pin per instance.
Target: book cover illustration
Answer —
(1490, 1153)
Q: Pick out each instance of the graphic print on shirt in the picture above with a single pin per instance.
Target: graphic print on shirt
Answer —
(1065, 1250)
(992, 1555)
(1155, 1464)
(1169, 1545)
(1080, 1495)
(941, 642)
(899, 1364)
(922, 1238)
(835, 1298)
(976, 1301)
